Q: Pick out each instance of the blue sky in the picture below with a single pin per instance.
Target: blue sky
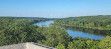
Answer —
(54, 8)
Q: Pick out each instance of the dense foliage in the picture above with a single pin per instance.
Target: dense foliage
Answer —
(84, 43)
(102, 22)
(14, 31)
(17, 31)
(80, 43)
(54, 36)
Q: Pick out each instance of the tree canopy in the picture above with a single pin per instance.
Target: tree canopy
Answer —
(102, 22)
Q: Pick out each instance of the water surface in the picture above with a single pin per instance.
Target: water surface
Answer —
(78, 32)
(44, 23)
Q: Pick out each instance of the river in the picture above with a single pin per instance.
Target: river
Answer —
(78, 32)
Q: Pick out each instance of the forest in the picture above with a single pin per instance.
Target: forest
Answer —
(13, 31)
(20, 30)
(101, 22)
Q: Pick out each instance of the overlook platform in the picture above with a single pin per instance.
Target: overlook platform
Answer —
(28, 45)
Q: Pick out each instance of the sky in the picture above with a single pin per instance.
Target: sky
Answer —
(54, 8)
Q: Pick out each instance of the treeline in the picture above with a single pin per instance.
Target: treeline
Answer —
(33, 19)
(101, 22)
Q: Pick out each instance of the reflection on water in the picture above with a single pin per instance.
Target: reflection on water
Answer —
(89, 33)
(83, 35)
(80, 32)
(46, 23)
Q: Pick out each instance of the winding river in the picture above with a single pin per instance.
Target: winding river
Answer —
(79, 32)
